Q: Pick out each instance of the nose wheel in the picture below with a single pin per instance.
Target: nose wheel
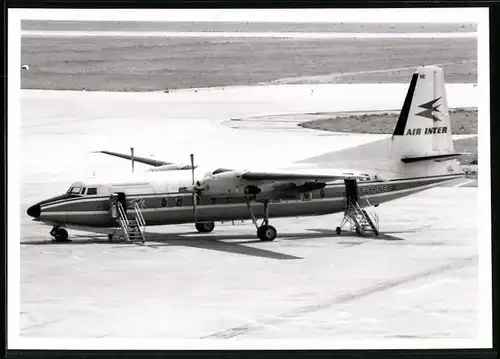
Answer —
(59, 234)
(265, 232)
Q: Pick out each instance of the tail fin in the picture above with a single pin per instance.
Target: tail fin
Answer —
(421, 144)
(423, 128)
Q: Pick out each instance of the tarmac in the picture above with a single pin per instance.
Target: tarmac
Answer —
(417, 280)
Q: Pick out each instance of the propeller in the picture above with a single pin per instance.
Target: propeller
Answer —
(132, 157)
(194, 189)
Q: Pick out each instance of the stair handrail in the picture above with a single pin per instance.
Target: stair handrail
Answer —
(368, 213)
(124, 228)
(370, 210)
(122, 213)
(139, 216)
(360, 211)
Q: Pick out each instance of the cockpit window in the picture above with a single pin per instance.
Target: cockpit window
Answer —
(91, 191)
(75, 190)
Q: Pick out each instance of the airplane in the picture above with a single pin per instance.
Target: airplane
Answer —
(419, 155)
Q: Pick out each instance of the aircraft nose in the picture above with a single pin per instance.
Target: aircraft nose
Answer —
(34, 211)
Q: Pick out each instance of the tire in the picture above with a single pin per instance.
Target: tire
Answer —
(205, 227)
(61, 235)
(338, 230)
(267, 233)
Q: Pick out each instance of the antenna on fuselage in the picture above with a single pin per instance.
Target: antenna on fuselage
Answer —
(132, 157)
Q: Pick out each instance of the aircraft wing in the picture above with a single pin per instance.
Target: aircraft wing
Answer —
(147, 161)
(276, 184)
(295, 177)
(283, 182)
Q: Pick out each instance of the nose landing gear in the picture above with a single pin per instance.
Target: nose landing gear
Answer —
(59, 234)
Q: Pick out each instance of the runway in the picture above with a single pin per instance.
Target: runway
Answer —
(226, 34)
(417, 280)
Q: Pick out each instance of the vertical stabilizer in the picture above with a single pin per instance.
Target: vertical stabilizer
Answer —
(421, 144)
(423, 128)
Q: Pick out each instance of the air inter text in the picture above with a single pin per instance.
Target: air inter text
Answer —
(426, 131)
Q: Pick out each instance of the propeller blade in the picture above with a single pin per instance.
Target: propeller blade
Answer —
(132, 157)
(194, 189)
(192, 167)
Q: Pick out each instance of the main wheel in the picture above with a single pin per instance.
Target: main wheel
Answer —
(338, 230)
(205, 227)
(267, 233)
(60, 235)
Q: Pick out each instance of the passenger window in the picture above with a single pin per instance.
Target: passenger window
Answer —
(178, 201)
(92, 191)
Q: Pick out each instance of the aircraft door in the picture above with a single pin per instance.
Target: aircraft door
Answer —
(122, 200)
(351, 191)
(113, 206)
(114, 199)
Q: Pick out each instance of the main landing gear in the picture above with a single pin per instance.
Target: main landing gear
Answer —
(205, 227)
(59, 234)
(265, 232)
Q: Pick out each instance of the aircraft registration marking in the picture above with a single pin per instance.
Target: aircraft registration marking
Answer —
(373, 189)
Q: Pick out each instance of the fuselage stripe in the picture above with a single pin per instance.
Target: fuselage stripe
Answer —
(189, 195)
(207, 207)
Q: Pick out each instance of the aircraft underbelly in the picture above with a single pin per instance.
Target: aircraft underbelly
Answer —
(227, 212)
(100, 220)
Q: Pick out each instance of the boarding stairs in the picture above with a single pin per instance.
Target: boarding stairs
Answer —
(133, 229)
(361, 217)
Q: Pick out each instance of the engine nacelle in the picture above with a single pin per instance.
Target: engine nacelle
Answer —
(225, 183)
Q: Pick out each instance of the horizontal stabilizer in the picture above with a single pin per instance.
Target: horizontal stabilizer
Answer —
(434, 157)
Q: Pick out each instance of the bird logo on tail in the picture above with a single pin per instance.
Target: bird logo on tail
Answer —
(429, 108)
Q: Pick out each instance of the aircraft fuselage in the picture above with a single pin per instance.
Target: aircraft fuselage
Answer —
(177, 207)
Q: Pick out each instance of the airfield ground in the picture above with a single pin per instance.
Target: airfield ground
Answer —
(417, 280)
(414, 281)
(152, 64)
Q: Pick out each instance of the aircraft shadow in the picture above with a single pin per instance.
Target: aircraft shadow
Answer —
(230, 243)
(385, 236)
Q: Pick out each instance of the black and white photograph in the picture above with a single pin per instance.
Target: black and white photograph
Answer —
(245, 178)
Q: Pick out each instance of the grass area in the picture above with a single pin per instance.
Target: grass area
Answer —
(151, 64)
(466, 145)
(242, 26)
(463, 121)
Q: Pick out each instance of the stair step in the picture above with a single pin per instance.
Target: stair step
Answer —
(133, 228)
